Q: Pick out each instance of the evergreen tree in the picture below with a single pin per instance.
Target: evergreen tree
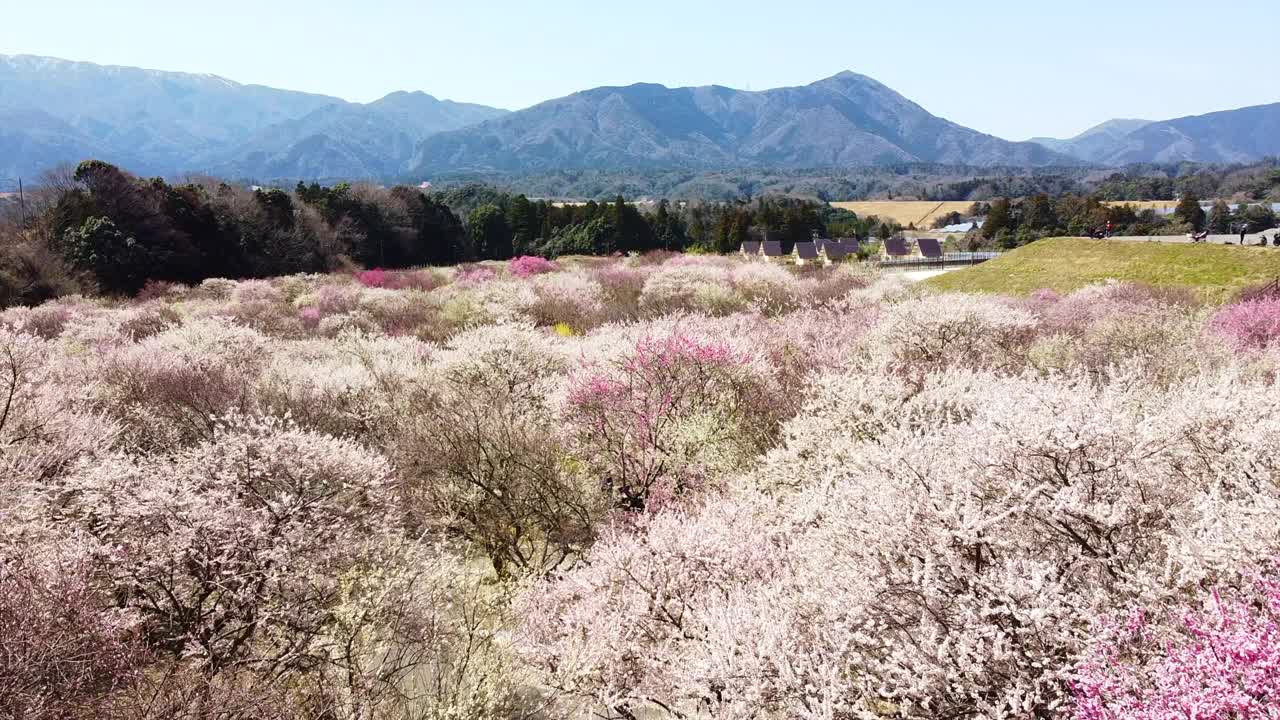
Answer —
(1189, 212)
(489, 233)
(999, 217)
(1220, 218)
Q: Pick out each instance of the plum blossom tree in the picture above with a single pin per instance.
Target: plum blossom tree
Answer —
(483, 454)
(65, 652)
(233, 553)
(918, 550)
(1222, 663)
(1250, 325)
(669, 415)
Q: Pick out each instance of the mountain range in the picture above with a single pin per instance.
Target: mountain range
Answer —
(1231, 136)
(844, 120)
(163, 123)
(152, 122)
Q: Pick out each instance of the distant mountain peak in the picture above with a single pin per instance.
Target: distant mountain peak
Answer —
(160, 123)
(1242, 135)
(406, 94)
(844, 120)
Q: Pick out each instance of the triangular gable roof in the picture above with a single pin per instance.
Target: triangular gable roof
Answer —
(930, 247)
(898, 246)
(773, 248)
(807, 250)
(751, 247)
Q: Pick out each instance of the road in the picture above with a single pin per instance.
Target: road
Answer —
(1252, 239)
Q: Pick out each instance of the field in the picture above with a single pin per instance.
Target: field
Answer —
(921, 213)
(1141, 205)
(644, 487)
(905, 212)
(1214, 272)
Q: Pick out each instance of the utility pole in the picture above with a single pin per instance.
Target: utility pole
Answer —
(22, 203)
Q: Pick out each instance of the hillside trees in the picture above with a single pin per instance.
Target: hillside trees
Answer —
(1189, 212)
(489, 233)
(1220, 218)
(125, 230)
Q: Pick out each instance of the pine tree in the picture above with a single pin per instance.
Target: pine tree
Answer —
(1190, 212)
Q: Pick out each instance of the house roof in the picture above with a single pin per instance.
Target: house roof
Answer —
(751, 247)
(930, 247)
(773, 248)
(807, 250)
(835, 250)
(898, 246)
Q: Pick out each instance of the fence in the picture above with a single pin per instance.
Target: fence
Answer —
(946, 261)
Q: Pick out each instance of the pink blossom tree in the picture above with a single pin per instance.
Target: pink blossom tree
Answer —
(670, 413)
(529, 265)
(1221, 661)
(1249, 325)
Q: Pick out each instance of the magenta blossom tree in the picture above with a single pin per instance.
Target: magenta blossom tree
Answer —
(1250, 325)
(529, 265)
(1219, 661)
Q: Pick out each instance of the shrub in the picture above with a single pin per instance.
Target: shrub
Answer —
(375, 278)
(46, 321)
(144, 321)
(621, 287)
(1219, 660)
(1249, 325)
(529, 265)
(424, 280)
(490, 302)
(485, 457)
(355, 385)
(215, 289)
(770, 287)
(931, 334)
(257, 291)
(571, 298)
(65, 656)
(472, 275)
(917, 550)
(161, 290)
(169, 389)
(689, 287)
(669, 416)
(233, 552)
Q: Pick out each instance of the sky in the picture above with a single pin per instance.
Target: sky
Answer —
(1012, 69)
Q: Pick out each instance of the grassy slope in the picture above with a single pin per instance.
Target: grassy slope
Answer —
(1216, 272)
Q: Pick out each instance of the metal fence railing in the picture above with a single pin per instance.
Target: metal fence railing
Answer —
(939, 263)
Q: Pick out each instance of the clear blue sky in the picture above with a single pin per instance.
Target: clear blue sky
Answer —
(1010, 68)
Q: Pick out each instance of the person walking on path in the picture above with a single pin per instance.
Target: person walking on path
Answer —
(1244, 230)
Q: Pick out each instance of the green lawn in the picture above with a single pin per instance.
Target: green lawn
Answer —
(1215, 272)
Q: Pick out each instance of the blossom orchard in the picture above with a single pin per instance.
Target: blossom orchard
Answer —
(670, 486)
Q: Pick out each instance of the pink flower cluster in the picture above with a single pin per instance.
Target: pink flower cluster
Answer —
(378, 278)
(1222, 664)
(529, 265)
(633, 417)
(474, 275)
(1249, 325)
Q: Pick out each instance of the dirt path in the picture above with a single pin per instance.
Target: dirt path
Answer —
(1251, 239)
